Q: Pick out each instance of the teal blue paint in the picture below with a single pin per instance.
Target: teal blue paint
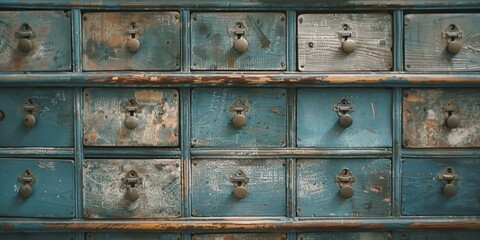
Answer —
(38, 236)
(345, 236)
(398, 41)
(396, 151)
(131, 236)
(439, 235)
(79, 153)
(185, 151)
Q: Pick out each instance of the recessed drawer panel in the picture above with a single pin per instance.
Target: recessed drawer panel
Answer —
(131, 117)
(442, 42)
(131, 41)
(344, 117)
(440, 235)
(35, 41)
(38, 236)
(239, 187)
(132, 188)
(440, 186)
(241, 236)
(345, 42)
(37, 188)
(238, 41)
(36, 117)
(441, 118)
(345, 236)
(241, 117)
(132, 236)
(344, 188)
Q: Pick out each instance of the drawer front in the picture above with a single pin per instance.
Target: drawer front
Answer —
(344, 42)
(241, 236)
(239, 187)
(344, 117)
(38, 236)
(344, 188)
(442, 42)
(242, 117)
(441, 118)
(131, 41)
(35, 41)
(238, 41)
(132, 188)
(131, 117)
(454, 192)
(131, 236)
(345, 236)
(37, 188)
(36, 117)
(440, 235)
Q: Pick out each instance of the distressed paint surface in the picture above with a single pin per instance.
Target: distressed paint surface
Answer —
(422, 191)
(345, 236)
(440, 235)
(241, 236)
(320, 43)
(105, 114)
(51, 46)
(318, 194)
(265, 119)
(425, 115)
(426, 42)
(104, 188)
(131, 236)
(212, 188)
(105, 37)
(317, 122)
(213, 40)
(38, 236)
(53, 114)
(52, 196)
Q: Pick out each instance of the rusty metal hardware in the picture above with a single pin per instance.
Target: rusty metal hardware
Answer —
(345, 179)
(239, 108)
(452, 34)
(448, 176)
(133, 44)
(132, 181)
(131, 121)
(348, 44)
(25, 34)
(452, 121)
(343, 108)
(241, 44)
(27, 179)
(240, 181)
(29, 119)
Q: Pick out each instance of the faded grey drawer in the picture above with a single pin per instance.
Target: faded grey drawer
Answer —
(240, 236)
(345, 236)
(131, 236)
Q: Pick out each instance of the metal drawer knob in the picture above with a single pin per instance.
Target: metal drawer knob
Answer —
(348, 46)
(241, 45)
(345, 121)
(453, 121)
(132, 194)
(131, 122)
(454, 47)
(27, 179)
(343, 108)
(240, 181)
(25, 191)
(346, 192)
(25, 34)
(132, 181)
(449, 190)
(29, 120)
(133, 45)
(240, 192)
(345, 179)
(448, 176)
(239, 120)
(25, 45)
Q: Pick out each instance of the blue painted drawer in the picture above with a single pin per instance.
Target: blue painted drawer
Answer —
(442, 42)
(345, 42)
(131, 41)
(241, 236)
(439, 235)
(345, 236)
(132, 188)
(131, 117)
(35, 41)
(344, 117)
(239, 117)
(246, 187)
(430, 188)
(238, 41)
(38, 236)
(36, 188)
(441, 118)
(344, 188)
(36, 117)
(131, 236)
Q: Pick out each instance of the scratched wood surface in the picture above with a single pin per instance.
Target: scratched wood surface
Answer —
(320, 43)
(212, 188)
(53, 114)
(131, 236)
(265, 119)
(317, 122)
(439, 235)
(422, 192)
(38, 236)
(240, 236)
(105, 37)
(425, 115)
(51, 45)
(105, 114)
(52, 195)
(345, 236)
(104, 188)
(213, 41)
(426, 42)
(318, 193)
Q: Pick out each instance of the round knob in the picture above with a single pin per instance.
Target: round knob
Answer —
(241, 45)
(25, 45)
(239, 120)
(449, 190)
(131, 122)
(25, 191)
(346, 192)
(348, 46)
(133, 45)
(454, 47)
(240, 192)
(345, 120)
(29, 120)
(132, 194)
(453, 121)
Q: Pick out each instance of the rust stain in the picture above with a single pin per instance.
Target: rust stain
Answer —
(7, 226)
(274, 110)
(414, 98)
(377, 189)
(148, 95)
(462, 224)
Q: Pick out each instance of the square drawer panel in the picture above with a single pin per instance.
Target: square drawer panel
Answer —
(35, 41)
(442, 42)
(131, 236)
(136, 188)
(439, 235)
(238, 41)
(37, 188)
(345, 236)
(344, 188)
(241, 236)
(239, 117)
(243, 187)
(131, 41)
(441, 118)
(131, 117)
(38, 236)
(36, 117)
(345, 42)
(440, 186)
(344, 117)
